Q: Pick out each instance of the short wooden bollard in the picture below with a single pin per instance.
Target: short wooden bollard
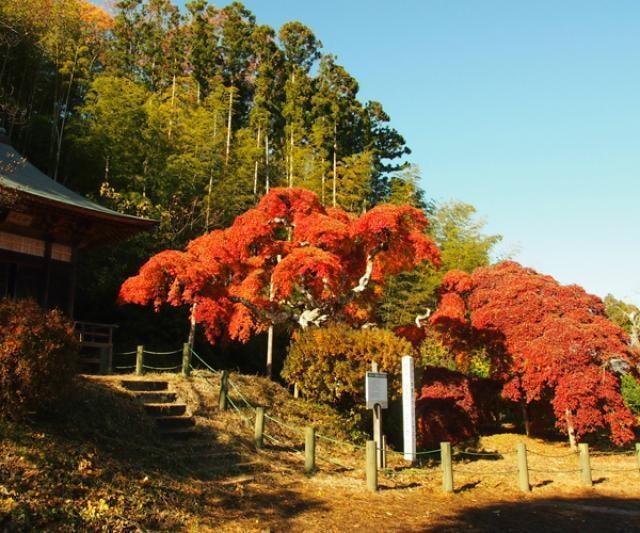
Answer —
(309, 450)
(186, 359)
(224, 390)
(523, 468)
(106, 360)
(259, 429)
(447, 468)
(585, 465)
(372, 466)
(139, 360)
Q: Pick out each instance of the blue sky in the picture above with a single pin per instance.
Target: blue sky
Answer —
(528, 110)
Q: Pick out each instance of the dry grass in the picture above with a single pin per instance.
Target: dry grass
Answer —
(104, 467)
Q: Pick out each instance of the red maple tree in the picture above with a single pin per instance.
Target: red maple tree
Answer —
(549, 343)
(287, 260)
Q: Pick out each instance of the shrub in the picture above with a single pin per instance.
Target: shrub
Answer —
(630, 388)
(453, 407)
(329, 363)
(38, 353)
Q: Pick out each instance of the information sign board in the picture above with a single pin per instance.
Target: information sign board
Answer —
(376, 389)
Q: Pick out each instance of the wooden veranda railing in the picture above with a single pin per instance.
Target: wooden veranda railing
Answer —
(96, 345)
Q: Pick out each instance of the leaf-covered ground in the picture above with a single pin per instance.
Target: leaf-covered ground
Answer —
(99, 464)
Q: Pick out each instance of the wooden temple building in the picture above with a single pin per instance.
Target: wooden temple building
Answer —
(43, 228)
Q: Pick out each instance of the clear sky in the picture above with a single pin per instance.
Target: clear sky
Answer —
(528, 110)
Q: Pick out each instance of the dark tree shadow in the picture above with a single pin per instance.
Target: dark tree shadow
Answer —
(549, 515)
(102, 440)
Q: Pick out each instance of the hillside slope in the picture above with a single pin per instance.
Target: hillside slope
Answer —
(99, 463)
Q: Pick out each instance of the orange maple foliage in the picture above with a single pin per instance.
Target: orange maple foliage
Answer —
(288, 259)
(549, 343)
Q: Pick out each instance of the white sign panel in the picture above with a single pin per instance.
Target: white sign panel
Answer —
(376, 389)
(408, 409)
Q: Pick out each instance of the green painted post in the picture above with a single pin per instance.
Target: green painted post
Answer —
(638, 454)
(585, 465)
(447, 468)
(372, 466)
(186, 359)
(523, 468)
(309, 450)
(139, 360)
(222, 400)
(259, 429)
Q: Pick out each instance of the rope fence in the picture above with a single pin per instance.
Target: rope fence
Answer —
(444, 454)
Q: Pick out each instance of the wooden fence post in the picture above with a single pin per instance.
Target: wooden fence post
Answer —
(585, 465)
(106, 360)
(139, 360)
(222, 399)
(523, 468)
(372, 466)
(259, 429)
(447, 468)
(186, 359)
(309, 450)
(638, 454)
(383, 461)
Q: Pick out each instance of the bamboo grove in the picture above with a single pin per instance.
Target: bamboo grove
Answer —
(191, 115)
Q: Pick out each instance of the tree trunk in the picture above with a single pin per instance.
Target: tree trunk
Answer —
(570, 430)
(255, 174)
(525, 419)
(64, 116)
(266, 161)
(173, 100)
(291, 145)
(335, 160)
(192, 326)
(270, 351)
(226, 159)
(210, 188)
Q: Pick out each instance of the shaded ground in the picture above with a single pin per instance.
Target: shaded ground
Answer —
(101, 465)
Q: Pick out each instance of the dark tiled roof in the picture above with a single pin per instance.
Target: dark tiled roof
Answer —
(16, 173)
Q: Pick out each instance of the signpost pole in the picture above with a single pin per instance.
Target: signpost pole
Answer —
(377, 424)
(377, 400)
(377, 432)
(408, 409)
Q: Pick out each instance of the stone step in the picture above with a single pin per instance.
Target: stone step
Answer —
(179, 433)
(144, 385)
(165, 397)
(165, 409)
(174, 422)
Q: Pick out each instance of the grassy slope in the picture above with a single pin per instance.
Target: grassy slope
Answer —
(98, 462)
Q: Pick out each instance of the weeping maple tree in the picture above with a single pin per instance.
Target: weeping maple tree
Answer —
(549, 343)
(287, 260)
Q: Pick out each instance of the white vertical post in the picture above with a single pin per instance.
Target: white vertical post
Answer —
(408, 409)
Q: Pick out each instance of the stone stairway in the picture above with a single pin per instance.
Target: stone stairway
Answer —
(163, 406)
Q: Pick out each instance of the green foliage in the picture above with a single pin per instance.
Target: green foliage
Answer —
(329, 364)
(625, 315)
(37, 357)
(433, 352)
(630, 388)
(464, 246)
